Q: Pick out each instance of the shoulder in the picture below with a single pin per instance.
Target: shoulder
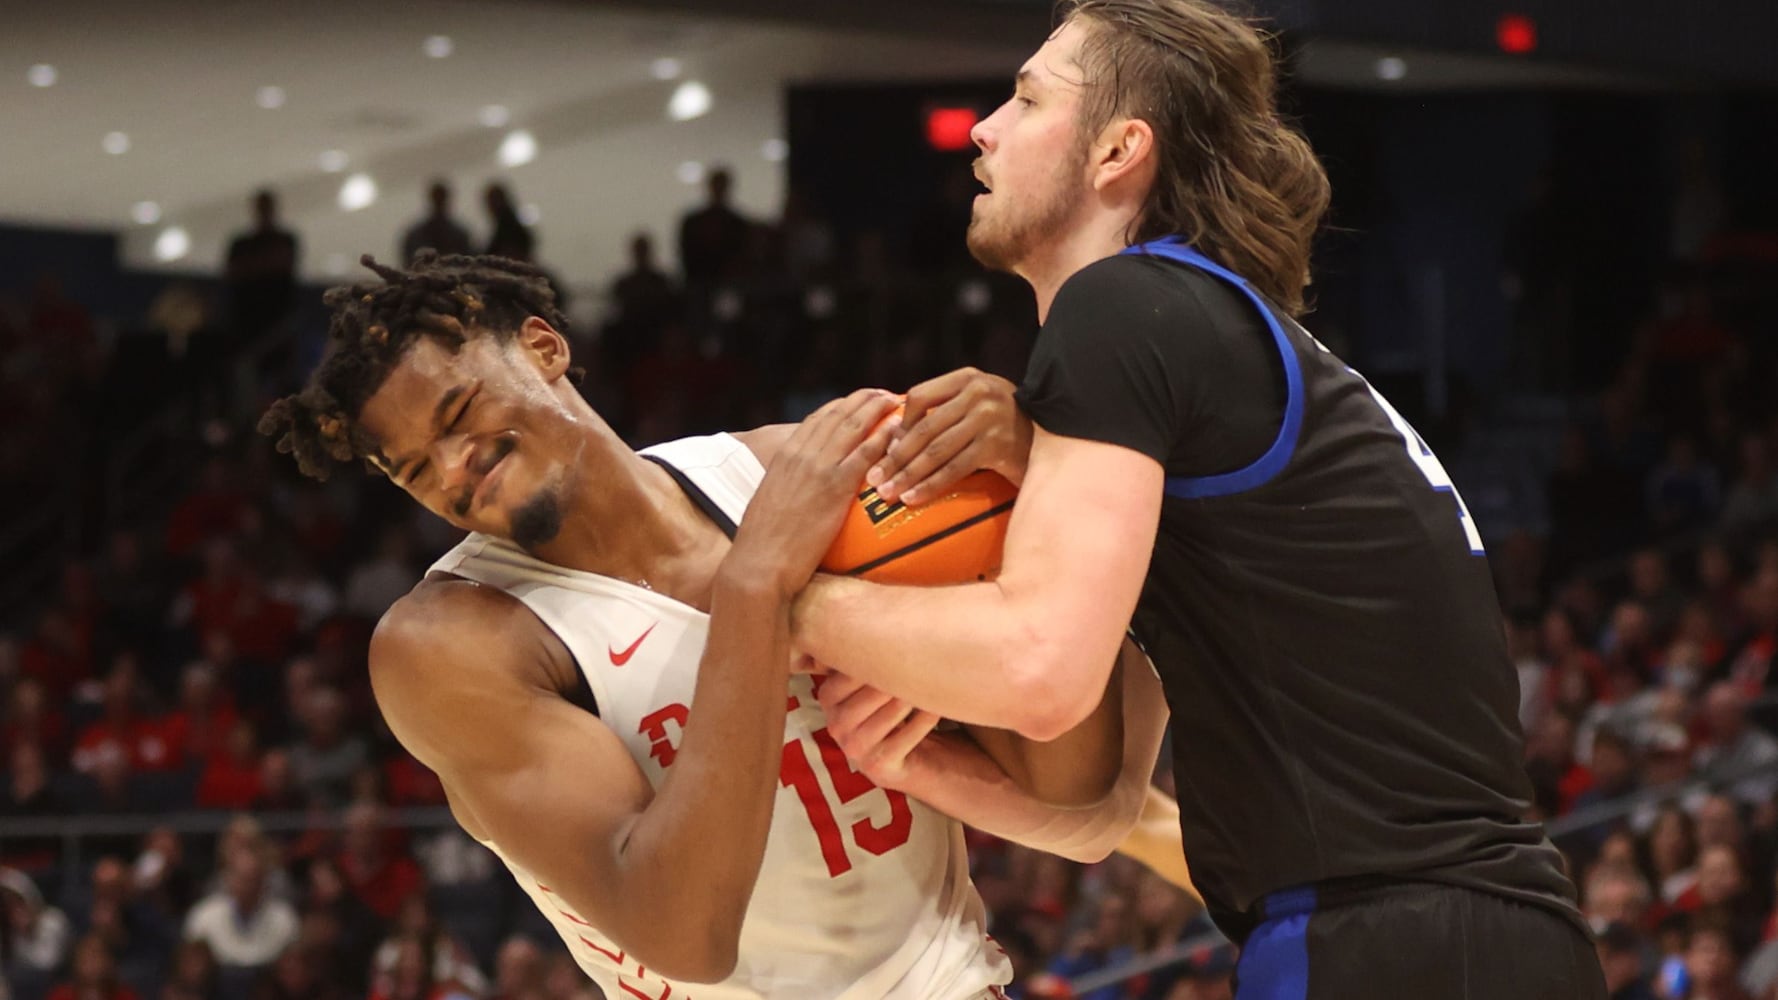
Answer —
(450, 642)
(1135, 286)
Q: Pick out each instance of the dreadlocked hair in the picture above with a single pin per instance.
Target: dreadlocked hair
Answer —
(448, 298)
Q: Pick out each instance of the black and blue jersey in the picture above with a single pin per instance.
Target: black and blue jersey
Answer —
(1318, 605)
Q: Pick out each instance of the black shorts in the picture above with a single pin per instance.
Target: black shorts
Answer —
(1416, 941)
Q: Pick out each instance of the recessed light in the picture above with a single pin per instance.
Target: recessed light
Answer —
(172, 243)
(333, 161)
(665, 68)
(517, 149)
(494, 116)
(1391, 68)
(116, 143)
(690, 172)
(145, 213)
(41, 75)
(690, 99)
(775, 150)
(359, 191)
(438, 46)
(270, 98)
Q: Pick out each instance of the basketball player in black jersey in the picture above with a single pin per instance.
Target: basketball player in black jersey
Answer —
(1289, 553)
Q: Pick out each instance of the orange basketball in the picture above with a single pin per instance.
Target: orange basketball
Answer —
(955, 538)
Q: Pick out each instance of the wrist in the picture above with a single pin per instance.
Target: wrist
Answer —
(756, 585)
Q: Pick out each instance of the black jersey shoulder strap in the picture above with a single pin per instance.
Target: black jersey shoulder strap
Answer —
(697, 495)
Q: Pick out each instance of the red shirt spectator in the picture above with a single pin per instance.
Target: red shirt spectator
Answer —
(30, 719)
(212, 511)
(122, 733)
(197, 731)
(411, 783)
(381, 879)
(232, 778)
(56, 655)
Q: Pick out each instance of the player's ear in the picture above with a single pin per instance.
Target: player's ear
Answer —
(1124, 148)
(545, 346)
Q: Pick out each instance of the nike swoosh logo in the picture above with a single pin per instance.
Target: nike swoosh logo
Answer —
(619, 659)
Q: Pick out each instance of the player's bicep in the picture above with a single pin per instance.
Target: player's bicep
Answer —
(1077, 552)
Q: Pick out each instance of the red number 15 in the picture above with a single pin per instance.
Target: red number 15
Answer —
(796, 772)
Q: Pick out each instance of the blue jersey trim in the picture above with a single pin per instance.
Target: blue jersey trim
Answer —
(1267, 466)
(1275, 960)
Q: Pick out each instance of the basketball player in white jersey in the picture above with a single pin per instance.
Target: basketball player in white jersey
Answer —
(547, 668)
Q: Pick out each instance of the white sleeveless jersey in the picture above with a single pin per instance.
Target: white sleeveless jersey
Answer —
(864, 894)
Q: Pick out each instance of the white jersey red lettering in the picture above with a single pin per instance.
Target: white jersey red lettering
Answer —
(864, 894)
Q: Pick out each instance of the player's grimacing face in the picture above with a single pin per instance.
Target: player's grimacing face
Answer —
(476, 436)
(1032, 157)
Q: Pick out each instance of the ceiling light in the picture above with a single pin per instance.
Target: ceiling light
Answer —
(116, 143)
(333, 161)
(145, 213)
(690, 172)
(530, 214)
(359, 191)
(270, 98)
(1391, 68)
(665, 68)
(172, 243)
(494, 116)
(438, 46)
(41, 75)
(517, 149)
(690, 99)
(775, 150)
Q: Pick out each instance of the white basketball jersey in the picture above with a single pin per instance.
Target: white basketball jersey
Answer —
(864, 894)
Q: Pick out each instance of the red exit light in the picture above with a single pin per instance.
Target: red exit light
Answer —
(1516, 34)
(947, 129)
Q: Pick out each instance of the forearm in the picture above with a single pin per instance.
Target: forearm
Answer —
(696, 850)
(950, 773)
(997, 667)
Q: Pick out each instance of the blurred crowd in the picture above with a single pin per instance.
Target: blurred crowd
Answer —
(206, 661)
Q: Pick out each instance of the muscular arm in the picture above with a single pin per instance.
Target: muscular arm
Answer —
(1031, 651)
(462, 673)
(967, 781)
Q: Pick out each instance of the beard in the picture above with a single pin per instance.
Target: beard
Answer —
(999, 242)
(538, 520)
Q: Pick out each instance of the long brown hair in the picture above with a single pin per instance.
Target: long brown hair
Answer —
(1232, 177)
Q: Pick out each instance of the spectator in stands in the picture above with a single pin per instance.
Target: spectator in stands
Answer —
(644, 301)
(1106, 941)
(1752, 499)
(1751, 663)
(38, 934)
(94, 975)
(55, 656)
(510, 236)
(1615, 893)
(411, 977)
(1613, 769)
(260, 273)
(194, 974)
(337, 922)
(1711, 961)
(1733, 747)
(1621, 955)
(1673, 853)
(329, 754)
(195, 732)
(244, 925)
(32, 720)
(160, 877)
(278, 790)
(243, 833)
(132, 589)
(447, 959)
(301, 585)
(1722, 891)
(379, 877)
(376, 584)
(301, 973)
(713, 239)
(438, 230)
(518, 970)
(122, 733)
(563, 980)
(233, 777)
(1684, 491)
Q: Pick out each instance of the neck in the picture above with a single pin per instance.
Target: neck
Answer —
(627, 519)
(1050, 266)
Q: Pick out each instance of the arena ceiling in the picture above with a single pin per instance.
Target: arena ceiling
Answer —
(157, 113)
